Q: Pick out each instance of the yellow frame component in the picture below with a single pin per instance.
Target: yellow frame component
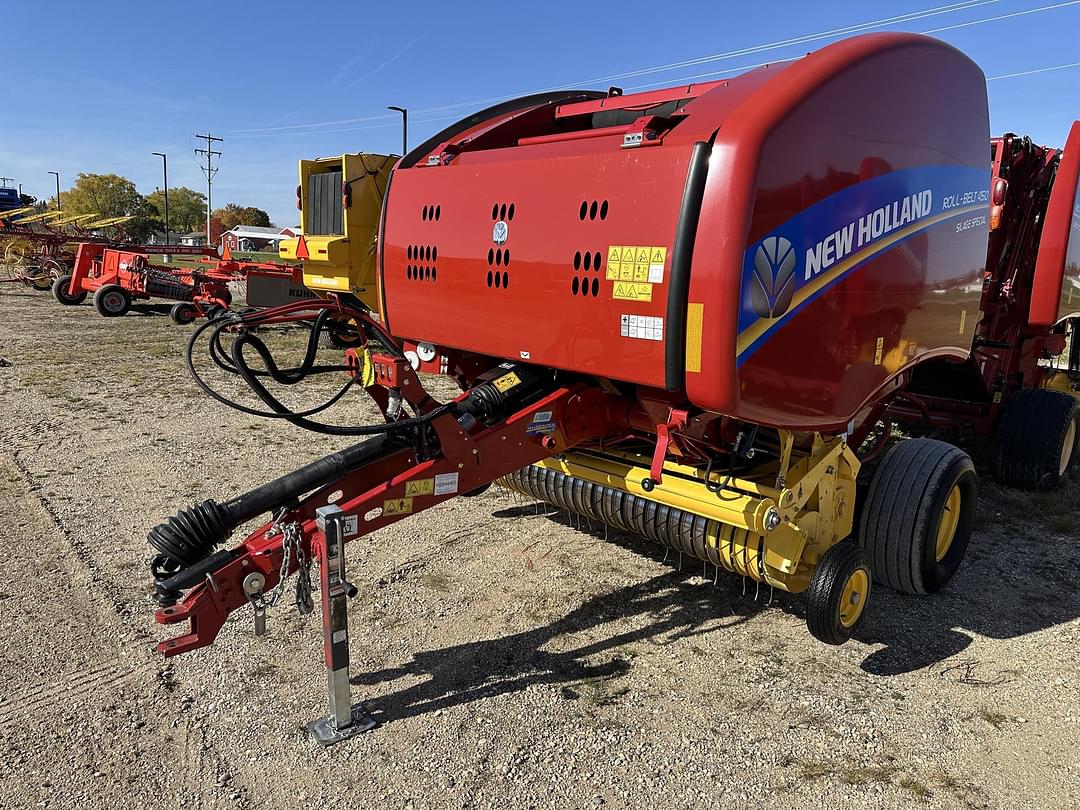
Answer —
(809, 509)
(345, 262)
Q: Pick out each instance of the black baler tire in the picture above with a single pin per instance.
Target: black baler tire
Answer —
(826, 588)
(183, 313)
(904, 504)
(1031, 437)
(60, 293)
(99, 301)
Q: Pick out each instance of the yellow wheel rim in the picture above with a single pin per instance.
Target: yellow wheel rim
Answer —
(853, 600)
(947, 523)
(1067, 448)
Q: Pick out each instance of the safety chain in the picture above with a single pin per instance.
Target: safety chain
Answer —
(291, 544)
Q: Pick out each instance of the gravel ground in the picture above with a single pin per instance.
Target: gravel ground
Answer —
(514, 657)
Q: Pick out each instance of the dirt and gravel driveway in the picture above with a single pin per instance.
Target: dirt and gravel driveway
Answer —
(514, 657)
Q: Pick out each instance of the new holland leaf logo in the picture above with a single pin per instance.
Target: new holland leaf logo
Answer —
(773, 281)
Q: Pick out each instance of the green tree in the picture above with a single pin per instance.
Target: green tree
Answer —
(187, 209)
(232, 215)
(108, 195)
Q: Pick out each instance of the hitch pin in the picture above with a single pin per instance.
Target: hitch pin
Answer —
(253, 586)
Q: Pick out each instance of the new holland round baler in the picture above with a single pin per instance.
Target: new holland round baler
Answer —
(677, 312)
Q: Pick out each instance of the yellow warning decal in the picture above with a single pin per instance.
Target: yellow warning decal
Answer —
(422, 486)
(641, 264)
(366, 372)
(507, 381)
(630, 291)
(695, 318)
(397, 506)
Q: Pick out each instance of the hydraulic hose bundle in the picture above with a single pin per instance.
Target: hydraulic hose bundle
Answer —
(186, 541)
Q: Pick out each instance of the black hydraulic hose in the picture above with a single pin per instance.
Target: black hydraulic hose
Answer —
(192, 533)
(319, 427)
(288, 376)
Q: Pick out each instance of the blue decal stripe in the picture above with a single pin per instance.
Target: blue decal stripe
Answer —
(751, 338)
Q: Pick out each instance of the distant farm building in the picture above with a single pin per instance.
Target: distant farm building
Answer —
(245, 238)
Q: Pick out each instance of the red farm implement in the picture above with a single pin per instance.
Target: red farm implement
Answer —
(1028, 314)
(118, 277)
(707, 364)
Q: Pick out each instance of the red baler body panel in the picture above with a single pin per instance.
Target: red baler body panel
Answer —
(1056, 288)
(789, 230)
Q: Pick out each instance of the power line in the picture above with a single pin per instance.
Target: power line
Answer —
(1001, 17)
(210, 170)
(856, 27)
(1030, 72)
(270, 131)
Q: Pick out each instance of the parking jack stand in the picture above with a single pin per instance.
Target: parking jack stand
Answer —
(344, 719)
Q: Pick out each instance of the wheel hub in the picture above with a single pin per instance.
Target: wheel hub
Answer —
(1067, 448)
(947, 523)
(853, 599)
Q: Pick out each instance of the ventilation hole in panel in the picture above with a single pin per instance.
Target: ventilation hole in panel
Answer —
(596, 261)
(506, 279)
(603, 210)
(584, 210)
(588, 261)
(592, 210)
(510, 213)
(595, 287)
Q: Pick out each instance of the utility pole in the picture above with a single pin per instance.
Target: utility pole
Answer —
(5, 181)
(165, 171)
(404, 128)
(209, 170)
(57, 176)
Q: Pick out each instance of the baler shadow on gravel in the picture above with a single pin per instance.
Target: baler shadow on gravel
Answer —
(683, 313)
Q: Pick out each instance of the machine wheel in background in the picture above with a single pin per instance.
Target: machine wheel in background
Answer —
(1037, 439)
(838, 593)
(112, 301)
(336, 340)
(183, 313)
(38, 278)
(60, 292)
(55, 268)
(918, 515)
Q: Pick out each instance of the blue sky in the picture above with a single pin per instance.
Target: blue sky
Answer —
(97, 87)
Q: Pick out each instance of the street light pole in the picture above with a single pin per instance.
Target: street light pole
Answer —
(404, 128)
(165, 172)
(57, 176)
